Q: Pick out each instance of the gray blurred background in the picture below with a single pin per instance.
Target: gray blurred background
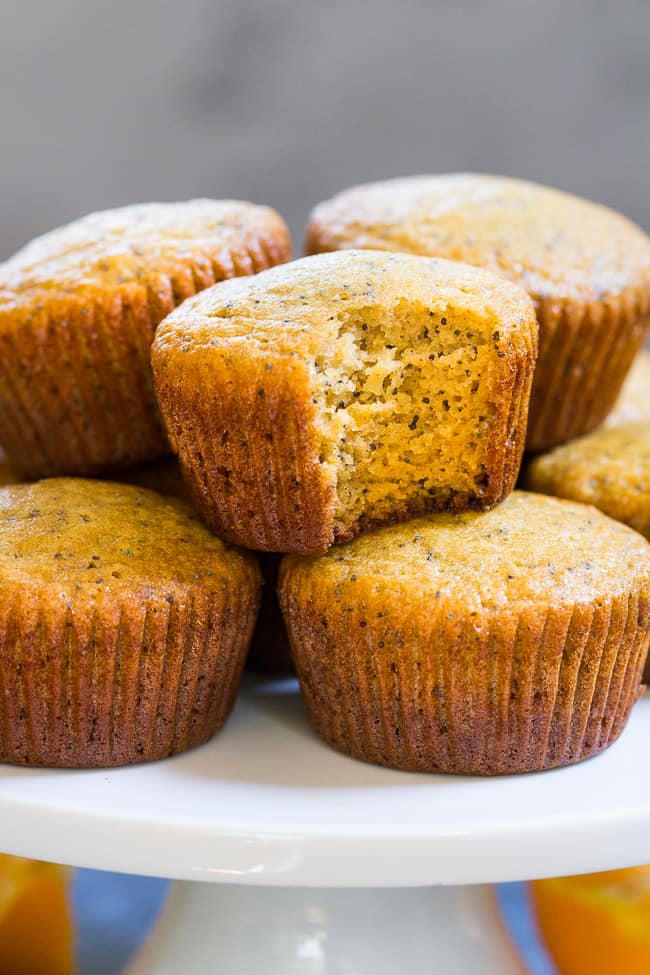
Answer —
(286, 102)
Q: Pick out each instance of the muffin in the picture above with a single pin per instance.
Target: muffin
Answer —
(346, 390)
(78, 311)
(124, 625)
(633, 403)
(609, 468)
(508, 641)
(586, 268)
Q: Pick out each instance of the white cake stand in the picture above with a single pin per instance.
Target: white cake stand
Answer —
(293, 860)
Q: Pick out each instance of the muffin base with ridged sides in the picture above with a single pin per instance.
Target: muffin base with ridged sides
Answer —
(585, 353)
(78, 311)
(586, 268)
(124, 625)
(503, 642)
(313, 401)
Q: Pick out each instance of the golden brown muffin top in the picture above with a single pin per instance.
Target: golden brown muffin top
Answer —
(609, 468)
(83, 537)
(114, 248)
(551, 243)
(287, 311)
(530, 551)
(633, 403)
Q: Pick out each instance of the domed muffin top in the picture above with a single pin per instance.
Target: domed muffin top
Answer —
(82, 537)
(551, 243)
(289, 310)
(112, 249)
(531, 550)
(609, 468)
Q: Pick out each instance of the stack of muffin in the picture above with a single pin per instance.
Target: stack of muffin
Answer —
(357, 417)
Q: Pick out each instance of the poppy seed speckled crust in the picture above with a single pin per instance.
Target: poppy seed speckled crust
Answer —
(313, 401)
(124, 625)
(609, 468)
(502, 642)
(586, 268)
(78, 311)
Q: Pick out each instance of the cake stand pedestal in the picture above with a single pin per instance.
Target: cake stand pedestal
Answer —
(293, 860)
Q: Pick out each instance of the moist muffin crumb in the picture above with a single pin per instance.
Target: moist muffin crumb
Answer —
(343, 391)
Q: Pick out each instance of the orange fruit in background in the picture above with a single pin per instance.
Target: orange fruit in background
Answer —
(596, 924)
(36, 931)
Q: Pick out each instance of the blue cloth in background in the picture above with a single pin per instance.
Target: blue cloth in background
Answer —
(515, 908)
(115, 912)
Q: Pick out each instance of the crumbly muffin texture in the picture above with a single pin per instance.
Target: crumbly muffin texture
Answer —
(633, 403)
(343, 391)
(609, 468)
(78, 311)
(482, 643)
(587, 269)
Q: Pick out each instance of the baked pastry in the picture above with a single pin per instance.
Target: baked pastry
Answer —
(343, 391)
(507, 641)
(124, 625)
(78, 311)
(633, 403)
(609, 468)
(586, 268)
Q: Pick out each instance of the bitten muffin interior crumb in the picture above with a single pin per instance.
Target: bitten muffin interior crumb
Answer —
(405, 409)
(344, 391)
